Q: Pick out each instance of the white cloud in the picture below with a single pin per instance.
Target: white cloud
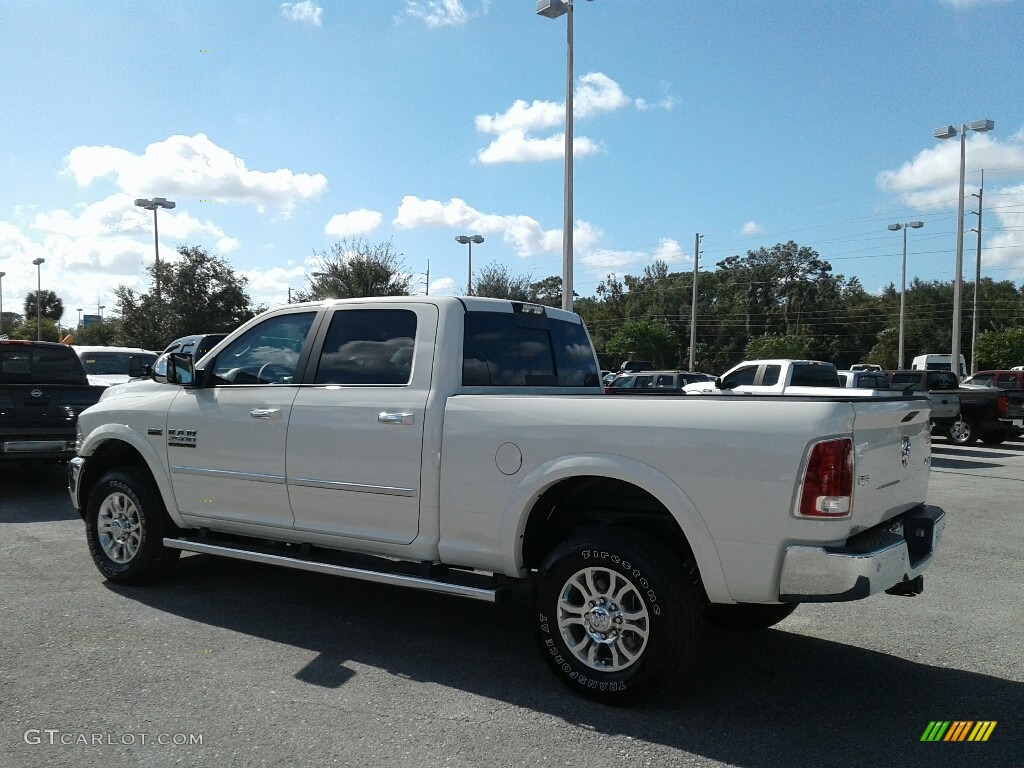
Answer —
(306, 12)
(595, 94)
(931, 181)
(227, 244)
(193, 166)
(270, 286)
(353, 223)
(525, 234)
(1006, 247)
(667, 102)
(965, 4)
(603, 260)
(438, 13)
(445, 286)
(514, 146)
(751, 228)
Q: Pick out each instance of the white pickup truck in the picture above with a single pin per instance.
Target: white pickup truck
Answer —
(771, 377)
(463, 445)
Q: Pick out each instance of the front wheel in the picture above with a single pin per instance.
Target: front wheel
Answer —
(618, 616)
(962, 431)
(125, 523)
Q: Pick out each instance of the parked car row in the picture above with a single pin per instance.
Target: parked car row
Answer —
(44, 386)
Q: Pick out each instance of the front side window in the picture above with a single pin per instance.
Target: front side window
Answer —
(520, 349)
(368, 347)
(742, 377)
(265, 354)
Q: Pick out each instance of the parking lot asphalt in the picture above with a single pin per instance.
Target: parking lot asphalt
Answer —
(227, 663)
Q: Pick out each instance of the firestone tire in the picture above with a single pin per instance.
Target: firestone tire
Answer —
(617, 615)
(962, 432)
(125, 525)
(748, 617)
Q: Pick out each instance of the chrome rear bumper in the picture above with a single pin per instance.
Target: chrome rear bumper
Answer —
(873, 561)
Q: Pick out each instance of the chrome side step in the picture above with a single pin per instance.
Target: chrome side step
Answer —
(363, 574)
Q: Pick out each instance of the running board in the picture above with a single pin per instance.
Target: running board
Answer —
(363, 574)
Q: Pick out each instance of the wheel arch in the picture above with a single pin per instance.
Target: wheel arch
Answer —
(121, 447)
(574, 493)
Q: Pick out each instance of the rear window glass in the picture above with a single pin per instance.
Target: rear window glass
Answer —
(516, 349)
(815, 376)
(39, 365)
(113, 363)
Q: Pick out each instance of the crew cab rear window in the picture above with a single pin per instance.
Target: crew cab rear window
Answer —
(526, 350)
(367, 347)
(810, 375)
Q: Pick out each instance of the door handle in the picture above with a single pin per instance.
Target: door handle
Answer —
(396, 418)
(265, 413)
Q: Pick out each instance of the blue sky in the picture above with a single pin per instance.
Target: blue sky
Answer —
(279, 128)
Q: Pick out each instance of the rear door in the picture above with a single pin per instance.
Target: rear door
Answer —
(355, 439)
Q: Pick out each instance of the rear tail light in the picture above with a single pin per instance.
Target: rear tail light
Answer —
(827, 489)
(1003, 405)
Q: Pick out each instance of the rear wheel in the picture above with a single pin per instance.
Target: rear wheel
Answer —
(748, 617)
(963, 431)
(618, 616)
(125, 523)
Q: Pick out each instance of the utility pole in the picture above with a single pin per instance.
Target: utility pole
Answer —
(977, 276)
(693, 301)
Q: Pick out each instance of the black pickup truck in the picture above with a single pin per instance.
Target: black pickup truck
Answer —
(43, 388)
(983, 410)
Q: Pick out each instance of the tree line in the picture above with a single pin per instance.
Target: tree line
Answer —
(782, 301)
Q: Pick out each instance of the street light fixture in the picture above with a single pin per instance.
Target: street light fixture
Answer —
(153, 205)
(948, 132)
(469, 240)
(903, 278)
(552, 9)
(39, 289)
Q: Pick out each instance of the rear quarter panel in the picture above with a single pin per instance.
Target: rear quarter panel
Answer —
(726, 468)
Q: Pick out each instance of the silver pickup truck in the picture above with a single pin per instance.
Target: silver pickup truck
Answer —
(463, 445)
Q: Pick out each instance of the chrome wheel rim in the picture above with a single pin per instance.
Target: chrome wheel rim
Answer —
(119, 527)
(603, 619)
(961, 431)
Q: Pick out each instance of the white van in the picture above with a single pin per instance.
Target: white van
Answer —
(938, 363)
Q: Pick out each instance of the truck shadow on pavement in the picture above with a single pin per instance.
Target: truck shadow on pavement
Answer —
(758, 699)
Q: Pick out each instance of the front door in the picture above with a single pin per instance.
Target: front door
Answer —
(226, 442)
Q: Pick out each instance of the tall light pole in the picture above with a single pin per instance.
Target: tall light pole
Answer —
(948, 132)
(693, 302)
(977, 276)
(552, 9)
(469, 240)
(39, 289)
(903, 279)
(2, 301)
(153, 205)
(79, 318)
